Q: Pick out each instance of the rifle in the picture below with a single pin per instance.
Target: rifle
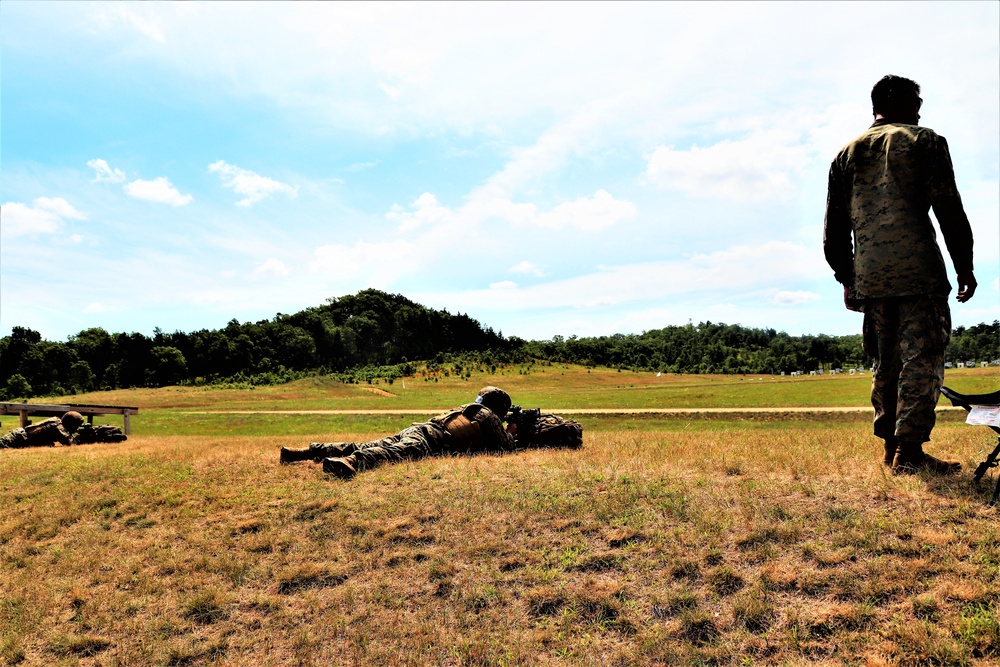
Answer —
(525, 421)
(967, 401)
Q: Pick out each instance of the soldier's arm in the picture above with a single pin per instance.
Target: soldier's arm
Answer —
(838, 246)
(838, 236)
(495, 437)
(950, 214)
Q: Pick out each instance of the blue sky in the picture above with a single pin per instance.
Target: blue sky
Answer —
(566, 168)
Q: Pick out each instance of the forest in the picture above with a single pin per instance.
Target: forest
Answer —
(373, 334)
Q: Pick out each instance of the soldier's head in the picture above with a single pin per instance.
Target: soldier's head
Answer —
(897, 99)
(71, 421)
(497, 400)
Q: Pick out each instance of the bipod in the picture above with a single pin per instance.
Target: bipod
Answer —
(967, 401)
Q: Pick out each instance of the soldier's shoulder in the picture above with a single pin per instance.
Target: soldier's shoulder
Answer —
(845, 152)
(917, 133)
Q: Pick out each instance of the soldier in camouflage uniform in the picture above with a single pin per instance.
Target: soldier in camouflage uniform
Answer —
(45, 433)
(476, 427)
(881, 188)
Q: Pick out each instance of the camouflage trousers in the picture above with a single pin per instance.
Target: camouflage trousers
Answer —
(413, 442)
(907, 337)
(16, 439)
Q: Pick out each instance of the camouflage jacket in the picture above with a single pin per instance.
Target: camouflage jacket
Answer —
(882, 186)
(474, 427)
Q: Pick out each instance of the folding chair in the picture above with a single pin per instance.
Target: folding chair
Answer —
(968, 401)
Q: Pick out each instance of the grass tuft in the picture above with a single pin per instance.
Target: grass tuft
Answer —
(205, 608)
(307, 577)
(78, 645)
(545, 601)
(725, 581)
(697, 627)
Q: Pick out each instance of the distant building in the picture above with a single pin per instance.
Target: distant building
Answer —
(947, 364)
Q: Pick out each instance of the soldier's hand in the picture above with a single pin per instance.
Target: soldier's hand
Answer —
(512, 428)
(851, 302)
(966, 286)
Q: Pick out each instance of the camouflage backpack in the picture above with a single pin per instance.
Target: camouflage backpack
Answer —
(463, 425)
(554, 431)
(89, 434)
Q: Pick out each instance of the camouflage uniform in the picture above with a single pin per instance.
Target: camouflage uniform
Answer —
(881, 188)
(43, 434)
(480, 431)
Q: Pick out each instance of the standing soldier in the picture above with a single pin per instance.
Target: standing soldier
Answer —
(881, 188)
(45, 433)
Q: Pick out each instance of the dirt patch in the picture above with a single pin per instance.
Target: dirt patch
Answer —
(377, 391)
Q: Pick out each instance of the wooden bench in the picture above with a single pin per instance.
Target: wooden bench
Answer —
(58, 410)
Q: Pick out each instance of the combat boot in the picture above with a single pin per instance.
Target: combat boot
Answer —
(326, 450)
(289, 455)
(340, 467)
(910, 458)
(891, 445)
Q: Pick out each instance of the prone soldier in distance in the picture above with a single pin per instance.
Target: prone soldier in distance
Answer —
(45, 433)
(471, 428)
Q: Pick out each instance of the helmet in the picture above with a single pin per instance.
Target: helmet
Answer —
(72, 420)
(497, 400)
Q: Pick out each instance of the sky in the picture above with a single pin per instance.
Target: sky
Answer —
(549, 169)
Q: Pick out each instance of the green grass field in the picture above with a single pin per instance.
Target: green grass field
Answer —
(693, 539)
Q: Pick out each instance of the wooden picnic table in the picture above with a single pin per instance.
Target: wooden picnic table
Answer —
(58, 410)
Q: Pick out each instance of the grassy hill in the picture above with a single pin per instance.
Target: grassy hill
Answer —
(668, 539)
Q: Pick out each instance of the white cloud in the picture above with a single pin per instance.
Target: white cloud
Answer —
(17, 219)
(391, 92)
(98, 307)
(527, 268)
(272, 268)
(148, 24)
(786, 298)
(590, 215)
(379, 262)
(504, 285)
(758, 168)
(739, 270)
(59, 207)
(158, 190)
(45, 217)
(104, 172)
(427, 211)
(252, 185)
(361, 166)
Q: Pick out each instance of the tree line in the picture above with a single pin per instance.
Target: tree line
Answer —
(373, 334)
(731, 348)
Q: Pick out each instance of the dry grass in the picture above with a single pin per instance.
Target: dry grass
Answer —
(765, 545)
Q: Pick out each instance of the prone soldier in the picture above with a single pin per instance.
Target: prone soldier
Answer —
(471, 428)
(45, 433)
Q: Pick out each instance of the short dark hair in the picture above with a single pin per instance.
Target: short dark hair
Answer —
(892, 92)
